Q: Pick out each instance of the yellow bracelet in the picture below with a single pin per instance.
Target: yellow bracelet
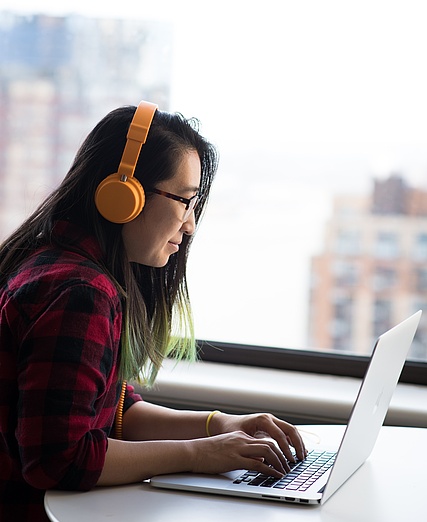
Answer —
(208, 420)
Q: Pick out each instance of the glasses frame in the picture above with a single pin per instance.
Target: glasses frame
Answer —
(190, 203)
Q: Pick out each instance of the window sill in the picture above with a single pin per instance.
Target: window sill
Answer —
(295, 396)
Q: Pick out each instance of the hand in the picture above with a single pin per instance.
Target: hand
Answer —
(262, 425)
(237, 450)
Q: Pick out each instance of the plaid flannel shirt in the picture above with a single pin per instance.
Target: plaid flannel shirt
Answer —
(60, 327)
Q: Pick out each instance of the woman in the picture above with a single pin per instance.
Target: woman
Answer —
(90, 298)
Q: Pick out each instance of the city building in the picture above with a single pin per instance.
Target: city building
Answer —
(58, 77)
(372, 271)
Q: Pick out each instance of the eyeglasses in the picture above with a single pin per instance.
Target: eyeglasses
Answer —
(190, 204)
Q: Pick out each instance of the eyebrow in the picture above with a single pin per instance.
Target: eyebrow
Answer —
(191, 189)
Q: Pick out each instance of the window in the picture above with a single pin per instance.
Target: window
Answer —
(420, 251)
(322, 143)
(421, 283)
(341, 327)
(347, 243)
(384, 278)
(386, 246)
(382, 317)
(346, 273)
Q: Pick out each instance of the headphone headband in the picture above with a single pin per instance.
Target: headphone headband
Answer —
(136, 137)
(120, 197)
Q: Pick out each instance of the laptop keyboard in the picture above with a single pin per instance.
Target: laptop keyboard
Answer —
(302, 475)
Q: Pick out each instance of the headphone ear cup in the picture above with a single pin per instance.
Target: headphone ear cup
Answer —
(119, 201)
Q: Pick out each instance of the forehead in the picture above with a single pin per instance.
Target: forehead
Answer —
(187, 176)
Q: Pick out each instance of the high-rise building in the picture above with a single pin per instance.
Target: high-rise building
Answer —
(372, 271)
(58, 77)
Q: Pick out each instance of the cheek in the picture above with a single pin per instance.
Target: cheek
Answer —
(149, 233)
(134, 235)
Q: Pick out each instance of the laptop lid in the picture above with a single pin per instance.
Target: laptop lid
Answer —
(373, 400)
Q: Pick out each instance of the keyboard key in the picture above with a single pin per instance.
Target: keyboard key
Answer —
(302, 475)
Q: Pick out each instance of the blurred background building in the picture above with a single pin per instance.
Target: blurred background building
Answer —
(372, 270)
(54, 87)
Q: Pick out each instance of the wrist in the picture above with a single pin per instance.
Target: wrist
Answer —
(213, 423)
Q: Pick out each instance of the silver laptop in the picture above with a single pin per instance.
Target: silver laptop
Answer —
(315, 479)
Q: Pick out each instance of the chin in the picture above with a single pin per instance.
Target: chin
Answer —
(161, 265)
(154, 261)
(158, 263)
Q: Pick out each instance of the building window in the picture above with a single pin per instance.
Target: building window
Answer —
(386, 245)
(384, 278)
(347, 243)
(341, 326)
(420, 249)
(421, 284)
(346, 274)
(382, 316)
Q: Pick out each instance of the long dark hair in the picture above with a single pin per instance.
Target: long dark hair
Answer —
(157, 313)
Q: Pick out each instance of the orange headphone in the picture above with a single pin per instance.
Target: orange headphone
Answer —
(120, 196)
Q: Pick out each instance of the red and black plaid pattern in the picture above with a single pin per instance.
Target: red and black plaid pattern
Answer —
(60, 326)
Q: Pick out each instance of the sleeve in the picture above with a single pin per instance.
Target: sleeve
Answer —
(131, 397)
(67, 377)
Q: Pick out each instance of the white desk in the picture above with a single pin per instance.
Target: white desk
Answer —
(389, 487)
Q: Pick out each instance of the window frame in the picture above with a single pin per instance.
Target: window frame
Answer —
(414, 372)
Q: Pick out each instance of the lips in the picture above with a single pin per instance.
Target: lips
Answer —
(175, 245)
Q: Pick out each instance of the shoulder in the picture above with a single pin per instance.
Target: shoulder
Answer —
(51, 278)
(53, 267)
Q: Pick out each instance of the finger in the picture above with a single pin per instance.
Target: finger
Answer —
(277, 430)
(269, 453)
(287, 435)
(254, 464)
(282, 441)
(295, 439)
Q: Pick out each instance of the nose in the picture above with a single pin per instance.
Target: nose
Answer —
(189, 225)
